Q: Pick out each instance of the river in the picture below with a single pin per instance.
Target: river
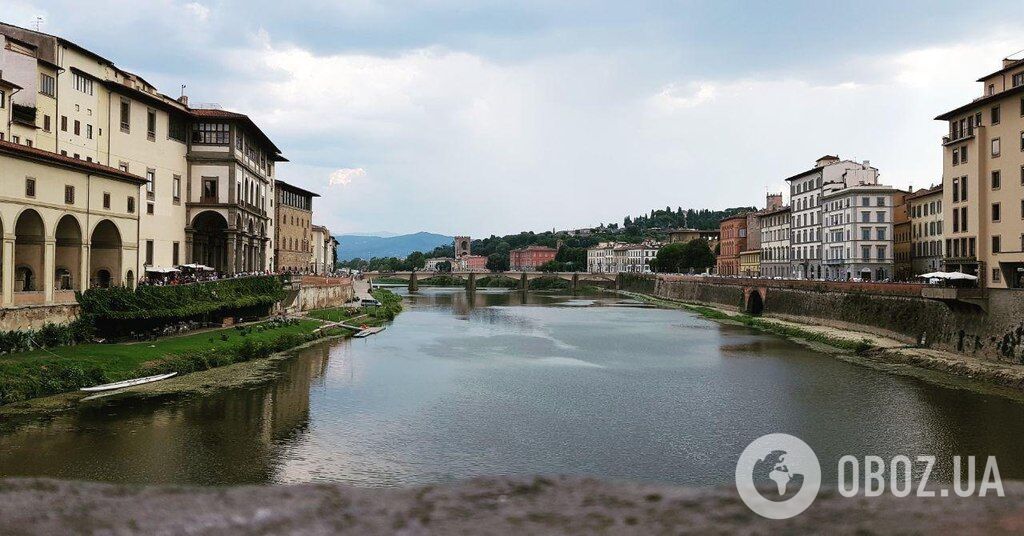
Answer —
(510, 383)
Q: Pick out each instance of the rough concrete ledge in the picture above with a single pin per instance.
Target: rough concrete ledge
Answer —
(560, 505)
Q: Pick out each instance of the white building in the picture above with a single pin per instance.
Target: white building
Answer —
(775, 242)
(858, 237)
(806, 190)
(616, 257)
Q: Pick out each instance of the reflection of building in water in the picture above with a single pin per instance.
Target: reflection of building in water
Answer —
(223, 438)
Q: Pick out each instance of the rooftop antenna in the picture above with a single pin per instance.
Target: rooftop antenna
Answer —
(37, 22)
(182, 90)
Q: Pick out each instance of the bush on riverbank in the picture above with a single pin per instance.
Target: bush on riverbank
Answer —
(119, 311)
(49, 336)
(497, 281)
(549, 283)
(390, 305)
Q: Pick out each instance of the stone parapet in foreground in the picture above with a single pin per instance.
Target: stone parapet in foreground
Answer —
(482, 506)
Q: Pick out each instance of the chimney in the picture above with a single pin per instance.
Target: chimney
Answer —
(867, 163)
(1008, 62)
(183, 99)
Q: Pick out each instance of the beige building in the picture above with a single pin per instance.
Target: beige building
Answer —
(66, 225)
(774, 227)
(294, 229)
(982, 179)
(927, 246)
(325, 250)
(208, 172)
(615, 257)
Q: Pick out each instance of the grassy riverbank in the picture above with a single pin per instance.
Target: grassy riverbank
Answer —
(785, 329)
(51, 371)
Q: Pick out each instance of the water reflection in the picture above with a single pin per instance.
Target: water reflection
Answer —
(500, 382)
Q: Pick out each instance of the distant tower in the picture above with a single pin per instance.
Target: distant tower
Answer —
(773, 201)
(462, 244)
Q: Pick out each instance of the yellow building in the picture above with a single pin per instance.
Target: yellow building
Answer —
(209, 173)
(750, 263)
(66, 225)
(982, 180)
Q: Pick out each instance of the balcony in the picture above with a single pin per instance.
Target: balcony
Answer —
(24, 114)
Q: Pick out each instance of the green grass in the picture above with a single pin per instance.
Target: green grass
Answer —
(785, 330)
(46, 372)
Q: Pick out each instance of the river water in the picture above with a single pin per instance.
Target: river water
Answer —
(511, 383)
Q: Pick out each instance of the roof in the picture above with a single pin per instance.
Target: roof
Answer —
(740, 216)
(1013, 65)
(979, 102)
(295, 189)
(804, 173)
(925, 191)
(9, 84)
(32, 153)
(535, 247)
(242, 118)
(769, 212)
(166, 102)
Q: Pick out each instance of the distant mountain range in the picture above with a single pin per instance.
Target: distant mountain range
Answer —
(366, 246)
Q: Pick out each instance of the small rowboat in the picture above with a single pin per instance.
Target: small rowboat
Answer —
(128, 383)
(369, 331)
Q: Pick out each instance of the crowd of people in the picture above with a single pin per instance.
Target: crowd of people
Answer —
(186, 274)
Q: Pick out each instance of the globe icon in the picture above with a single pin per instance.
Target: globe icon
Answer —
(774, 479)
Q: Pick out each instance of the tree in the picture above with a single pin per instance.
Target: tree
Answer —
(496, 262)
(669, 258)
(550, 266)
(416, 260)
(694, 256)
(444, 266)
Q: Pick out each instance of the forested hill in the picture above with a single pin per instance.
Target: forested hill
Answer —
(668, 218)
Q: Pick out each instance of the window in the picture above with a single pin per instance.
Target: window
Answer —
(995, 147)
(991, 89)
(69, 194)
(963, 219)
(865, 233)
(880, 251)
(996, 180)
(47, 85)
(106, 200)
(881, 233)
(956, 156)
(81, 83)
(880, 202)
(880, 215)
(956, 186)
(210, 189)
(174, 254)
(210, 133)
(149, 252)
(865, 252)
(995, 115)
(150, 182)
(46, 123)
(123, 166)
(131, 205)
(88, 131)
(3, 99)
(996, 244)
(149, 208)
(30, 187)
(176, 128)
(996, 275)
(963, 154)
(64, 123)
(963, 188)
(78, 128)
(1018, 79)
(151, 125)
(176, 187)
(995, 212)
(126, 116)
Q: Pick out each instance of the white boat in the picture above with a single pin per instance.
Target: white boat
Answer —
(369, 331)
(128, 383)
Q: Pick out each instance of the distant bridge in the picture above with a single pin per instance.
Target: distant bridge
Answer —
(523, 278)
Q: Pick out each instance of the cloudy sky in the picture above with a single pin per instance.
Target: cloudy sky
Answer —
(484, 117)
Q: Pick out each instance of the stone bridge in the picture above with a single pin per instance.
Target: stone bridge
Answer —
(523, 277)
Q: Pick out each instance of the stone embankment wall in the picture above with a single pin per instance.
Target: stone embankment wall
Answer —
(34, 316)
(316, 292)
(892, 310)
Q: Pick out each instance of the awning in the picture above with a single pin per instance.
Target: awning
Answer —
(161, 269)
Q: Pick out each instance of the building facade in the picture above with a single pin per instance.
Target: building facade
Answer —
(293, 233)
(208, 172)
(530, 257)
(901, 243)
(858, 238)
(927, 246)
(616, 257)
(775, 233)
(982, 179)
(806, 191)
(67, 225)
(325, 250)
(733, 233)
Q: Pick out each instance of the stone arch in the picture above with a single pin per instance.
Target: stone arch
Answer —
(29, 248)
(210, 240)
(68, 254)
(754, 302)
(105, 255)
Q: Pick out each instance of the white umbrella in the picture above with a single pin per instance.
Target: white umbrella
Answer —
(961, 275)
(934, 275)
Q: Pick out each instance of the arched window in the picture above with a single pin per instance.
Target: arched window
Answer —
(24, 280)
(62, 279)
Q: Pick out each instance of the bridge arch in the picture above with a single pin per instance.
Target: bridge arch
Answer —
(753, 301)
